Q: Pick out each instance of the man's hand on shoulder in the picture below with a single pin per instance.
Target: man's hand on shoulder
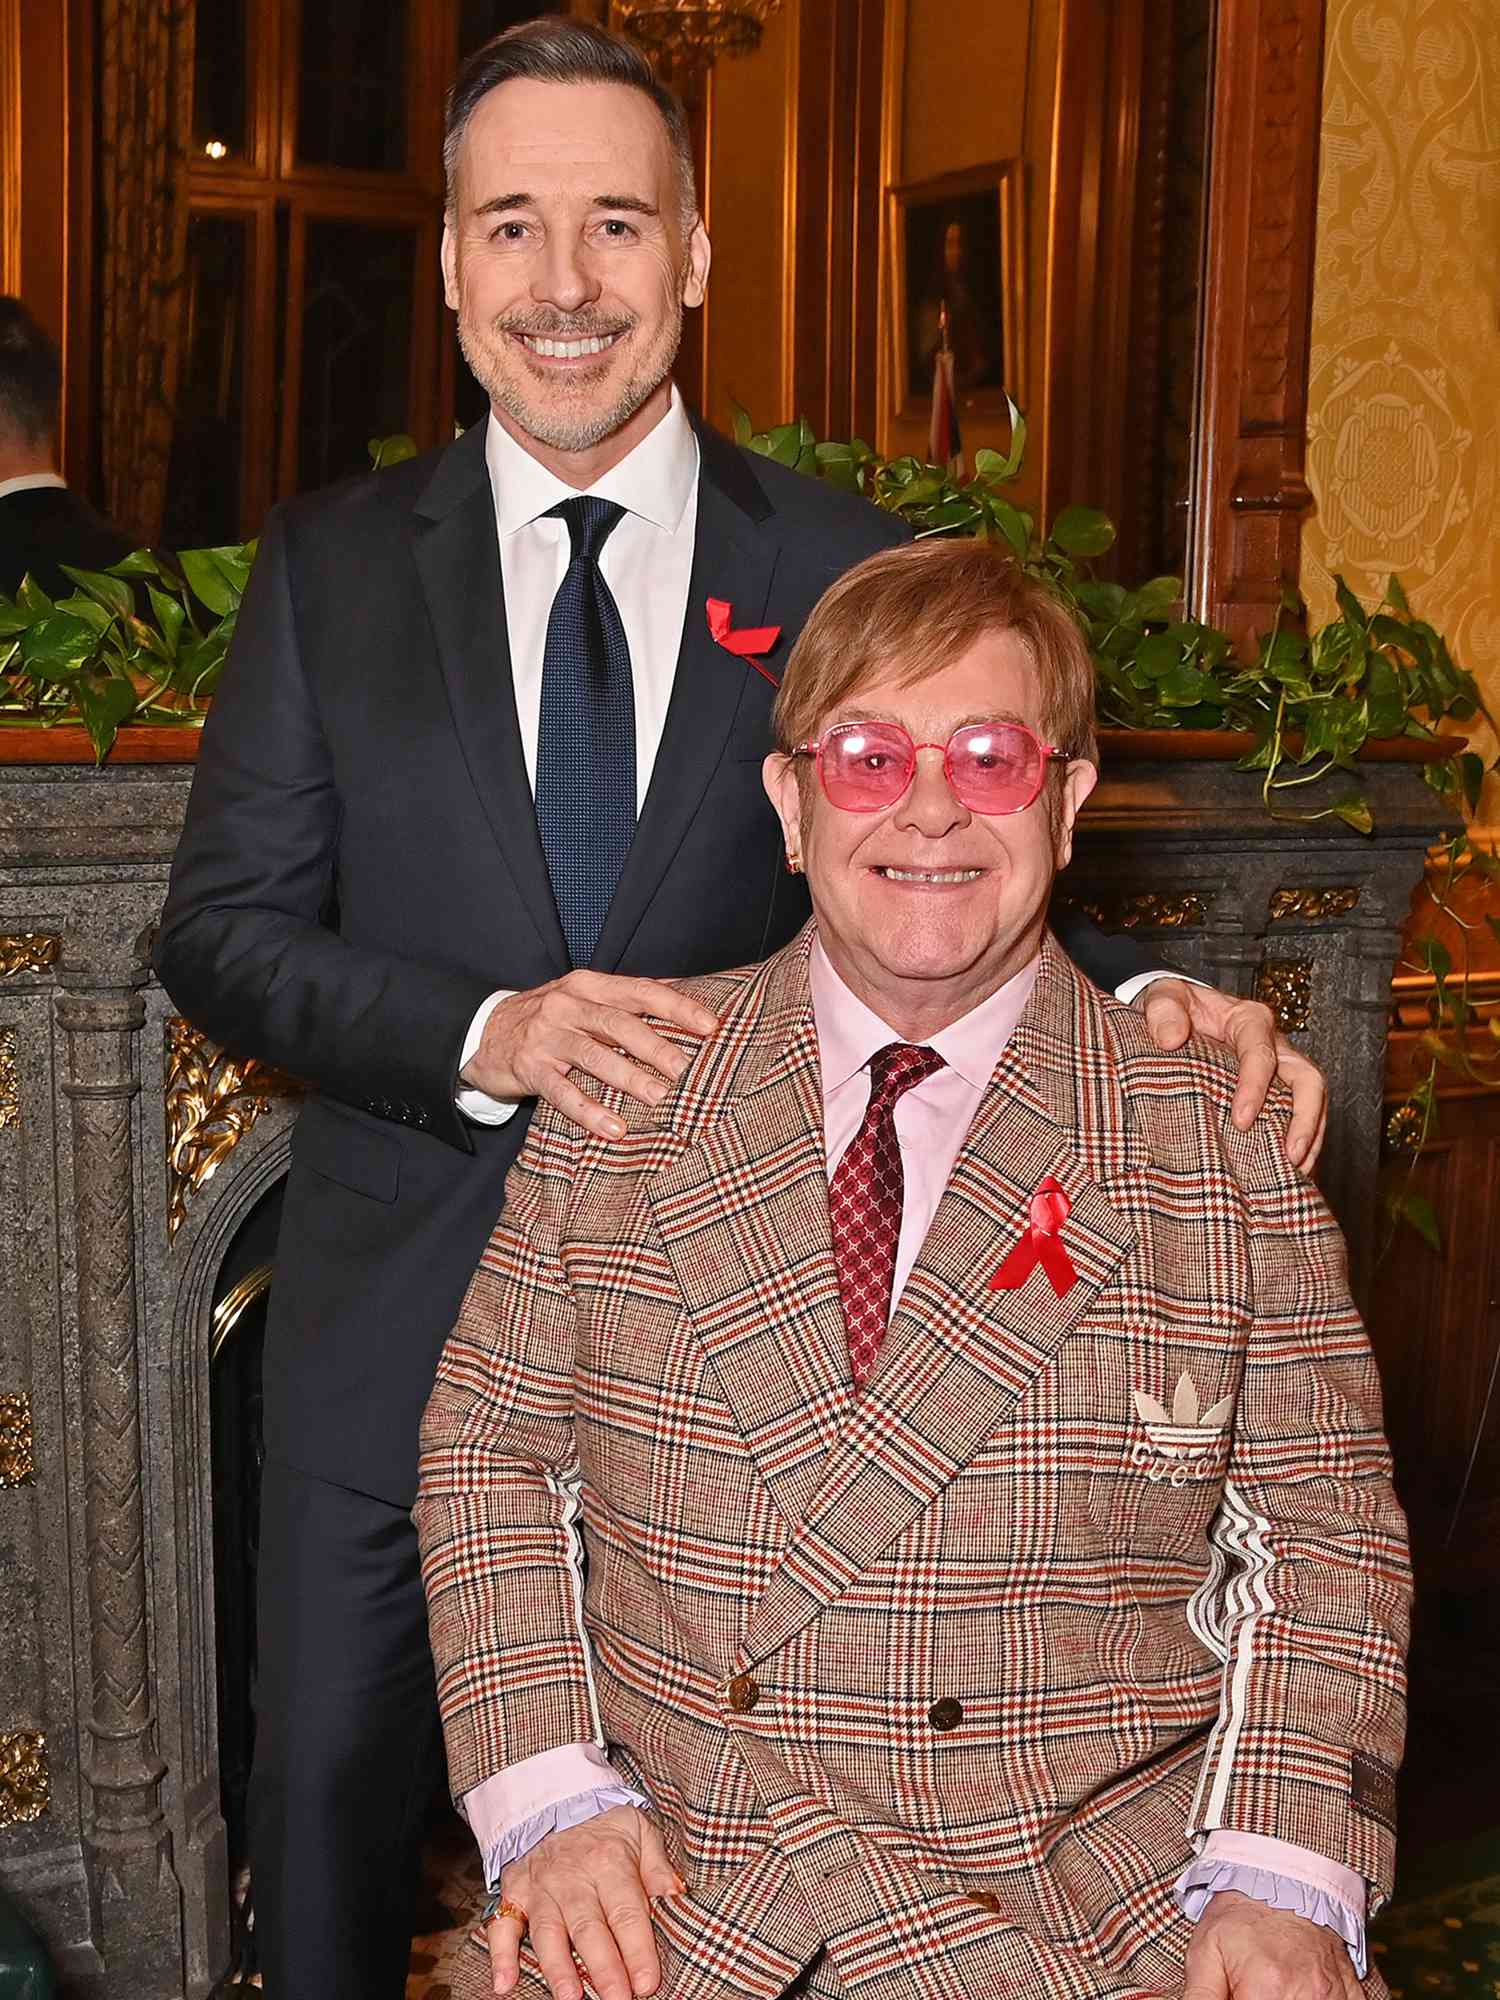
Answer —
(1244, 1950)
(591, 1022)
(1176, 1008)
(587, 1891)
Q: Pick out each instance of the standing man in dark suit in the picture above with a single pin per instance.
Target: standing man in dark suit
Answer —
(480, 774)
(42, 521)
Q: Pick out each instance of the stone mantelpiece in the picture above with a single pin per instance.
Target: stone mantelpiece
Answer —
(111, 1837)
(1307, 916)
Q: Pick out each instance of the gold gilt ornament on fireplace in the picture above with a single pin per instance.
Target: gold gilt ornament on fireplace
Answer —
(212, 1101)
(694, 33)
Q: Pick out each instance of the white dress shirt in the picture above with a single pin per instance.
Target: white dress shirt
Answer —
(647, 563)
(28, 482)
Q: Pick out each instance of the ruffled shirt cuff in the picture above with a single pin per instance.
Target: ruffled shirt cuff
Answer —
(511, 1812)
(1283, 1875)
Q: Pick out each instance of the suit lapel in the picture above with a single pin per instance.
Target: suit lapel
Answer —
(457, 558)
(735, 560)
(743, 1217)
(958, 1356)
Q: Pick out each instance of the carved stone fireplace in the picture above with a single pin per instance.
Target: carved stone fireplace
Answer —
(131, 1155)
(135, 1160)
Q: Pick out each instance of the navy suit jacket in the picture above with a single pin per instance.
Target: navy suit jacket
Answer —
(44, 526)
(360, 867)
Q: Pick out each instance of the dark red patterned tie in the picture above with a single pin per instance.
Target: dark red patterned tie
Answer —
(864, 1203)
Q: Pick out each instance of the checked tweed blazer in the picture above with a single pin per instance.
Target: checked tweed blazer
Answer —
(938, 1679)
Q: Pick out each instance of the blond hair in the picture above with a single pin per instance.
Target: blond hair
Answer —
(911, 611)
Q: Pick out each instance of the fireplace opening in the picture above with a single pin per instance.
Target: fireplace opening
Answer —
(240, 1296)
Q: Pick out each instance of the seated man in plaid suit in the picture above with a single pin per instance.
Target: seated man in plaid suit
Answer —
(994, 1582)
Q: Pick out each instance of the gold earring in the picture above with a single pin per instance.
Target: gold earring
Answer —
(794, 864)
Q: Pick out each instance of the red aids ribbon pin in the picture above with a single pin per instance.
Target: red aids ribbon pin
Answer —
(745, 645)
(1042, 1244)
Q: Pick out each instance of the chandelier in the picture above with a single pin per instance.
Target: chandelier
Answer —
(695, 32)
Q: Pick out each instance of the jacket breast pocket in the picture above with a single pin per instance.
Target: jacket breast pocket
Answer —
(345, 1149)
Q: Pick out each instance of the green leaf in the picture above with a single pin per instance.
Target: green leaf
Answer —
(840, 472)
(1102, 600)
(233, 565)
(93, 614)
(1432, 955)
(12, 618)
(744, 430)
(170, 617)
(1184, 687)
(1349, 604)
(386, 451)
(1159, 655)
(1354, 812)
(60, 644)
(1471, 778)
(1083, 531)
(1441, 778)
(140, 562)
(1386, 697)
(1417, 1212)
(784, 444)
(31, 597)
(1396, 595)
(1013, 525)
(208, 580)
(1153, 600)
(951, 516)
(106, 590)
(103, 710)
(1284, 657)
(199, 664)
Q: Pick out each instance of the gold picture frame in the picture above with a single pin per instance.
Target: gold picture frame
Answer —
(959, 239)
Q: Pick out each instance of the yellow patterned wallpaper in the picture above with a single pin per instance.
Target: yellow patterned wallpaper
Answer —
(1404, 416)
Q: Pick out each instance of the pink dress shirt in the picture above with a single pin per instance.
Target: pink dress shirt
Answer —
(512, 1811)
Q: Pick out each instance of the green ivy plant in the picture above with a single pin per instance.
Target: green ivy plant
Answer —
(141, 642)
(145, 641)
(1310, 701)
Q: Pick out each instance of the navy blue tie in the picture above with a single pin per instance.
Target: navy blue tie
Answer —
(585, 753)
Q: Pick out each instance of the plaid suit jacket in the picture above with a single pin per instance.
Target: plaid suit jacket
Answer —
(943, 1676)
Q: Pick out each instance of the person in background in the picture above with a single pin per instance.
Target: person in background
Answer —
(43, 522)
(911, 1519)
(481, 775)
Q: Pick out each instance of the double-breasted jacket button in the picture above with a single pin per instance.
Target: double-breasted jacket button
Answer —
(986, 1899)
(946, 1714)
(742, 1693)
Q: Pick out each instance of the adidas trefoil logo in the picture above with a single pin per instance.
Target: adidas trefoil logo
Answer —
(1184, 1442)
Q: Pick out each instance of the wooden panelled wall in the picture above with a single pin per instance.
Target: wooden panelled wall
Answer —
(798, 154)
(46, 192)
(801, 150)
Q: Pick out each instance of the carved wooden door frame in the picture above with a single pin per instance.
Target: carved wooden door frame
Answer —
(1251, 493)
(1249, 489)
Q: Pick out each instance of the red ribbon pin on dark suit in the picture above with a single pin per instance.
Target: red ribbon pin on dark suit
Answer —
(746, 644)
(1042, 1244)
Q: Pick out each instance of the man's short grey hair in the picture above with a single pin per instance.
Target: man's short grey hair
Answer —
(557, 50)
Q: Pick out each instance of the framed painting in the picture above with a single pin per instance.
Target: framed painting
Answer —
(958, 265)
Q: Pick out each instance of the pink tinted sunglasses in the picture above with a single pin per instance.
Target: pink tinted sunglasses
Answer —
(993, 768)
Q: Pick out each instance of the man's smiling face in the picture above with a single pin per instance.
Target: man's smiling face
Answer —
(927, 907)
(568, 259)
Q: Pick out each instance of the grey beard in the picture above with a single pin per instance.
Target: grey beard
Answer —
(558, 428)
